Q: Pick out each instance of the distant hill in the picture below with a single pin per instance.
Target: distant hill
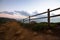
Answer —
(3, 20)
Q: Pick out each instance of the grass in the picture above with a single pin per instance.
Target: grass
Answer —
(40, 26)
(13, 30)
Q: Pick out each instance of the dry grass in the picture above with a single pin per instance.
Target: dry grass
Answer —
(13, 31)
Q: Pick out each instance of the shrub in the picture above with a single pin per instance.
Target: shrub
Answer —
(40, 26)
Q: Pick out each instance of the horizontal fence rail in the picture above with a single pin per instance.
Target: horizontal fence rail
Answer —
(44, 17)
(45, 12)
(48, 11)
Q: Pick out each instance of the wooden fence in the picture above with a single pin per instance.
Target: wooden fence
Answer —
(48, 11)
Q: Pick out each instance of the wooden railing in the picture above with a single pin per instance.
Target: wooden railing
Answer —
(48, 11)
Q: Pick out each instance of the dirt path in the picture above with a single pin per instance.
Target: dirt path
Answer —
(13, 31)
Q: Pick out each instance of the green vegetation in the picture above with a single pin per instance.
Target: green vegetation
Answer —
(32, 25)
(16, 30)
(40, 26)
(4, 20)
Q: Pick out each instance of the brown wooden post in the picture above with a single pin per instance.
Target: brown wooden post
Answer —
(48, 18)
(29, 19)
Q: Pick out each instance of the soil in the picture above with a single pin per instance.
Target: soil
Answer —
(14, 31)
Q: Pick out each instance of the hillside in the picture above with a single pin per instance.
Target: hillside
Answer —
(3, 20)
(10, 29)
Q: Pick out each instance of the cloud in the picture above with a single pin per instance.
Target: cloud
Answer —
(17, 13)
(54, 19)
(13, 15)
(35, 12)
(38, 16)
(24, 13)
(6, 12)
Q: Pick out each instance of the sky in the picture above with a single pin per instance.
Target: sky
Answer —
(24, 8)
(28, 5)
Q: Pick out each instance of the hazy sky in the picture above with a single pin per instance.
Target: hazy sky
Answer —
(29, 6)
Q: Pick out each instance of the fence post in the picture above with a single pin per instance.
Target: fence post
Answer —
(29, 19)
(48, 18)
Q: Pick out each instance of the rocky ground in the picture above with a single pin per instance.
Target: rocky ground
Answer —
(13, 31)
